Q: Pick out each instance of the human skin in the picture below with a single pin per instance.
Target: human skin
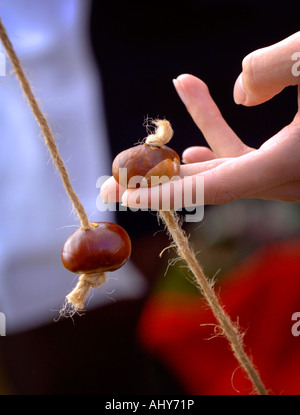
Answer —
(231, 169)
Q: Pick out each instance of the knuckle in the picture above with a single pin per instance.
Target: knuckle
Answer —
(221, 193)
(223, 196)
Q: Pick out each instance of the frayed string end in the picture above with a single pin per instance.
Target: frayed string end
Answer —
(75, 301)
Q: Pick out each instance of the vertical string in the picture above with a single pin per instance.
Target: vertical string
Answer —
(44, 126)
(228, 328)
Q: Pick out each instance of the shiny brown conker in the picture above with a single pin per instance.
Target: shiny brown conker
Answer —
(105, 247)
(148, 162)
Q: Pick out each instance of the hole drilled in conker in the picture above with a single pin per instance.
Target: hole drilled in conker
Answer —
(105, 247)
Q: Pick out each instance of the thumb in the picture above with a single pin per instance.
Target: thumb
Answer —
(267, 71)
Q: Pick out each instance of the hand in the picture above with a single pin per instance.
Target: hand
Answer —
(230, 168)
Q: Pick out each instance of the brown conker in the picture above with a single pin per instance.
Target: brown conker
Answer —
(105, 247)
(148, 162)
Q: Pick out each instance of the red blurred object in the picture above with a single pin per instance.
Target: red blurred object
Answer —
(261, 294)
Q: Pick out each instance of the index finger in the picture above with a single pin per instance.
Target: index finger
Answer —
(112, 192)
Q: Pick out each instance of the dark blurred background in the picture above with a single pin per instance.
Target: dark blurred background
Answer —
(140, 46)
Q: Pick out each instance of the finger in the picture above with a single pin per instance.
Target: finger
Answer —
(174, 195)
(287, 192)
(197, 154)
(220, 137)
(200, 167)
(155, 198)
(111, 191)
(235, 178)
(267, 71)
(297, 116)
(245, 176)
(182, 191)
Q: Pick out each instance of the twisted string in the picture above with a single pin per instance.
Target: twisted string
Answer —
(75, 300)
(44, 126)
(230, 330)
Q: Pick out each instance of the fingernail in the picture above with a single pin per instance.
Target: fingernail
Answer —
(183, 157)
(104, 196)
(239, 94)
(104, 199)
(186, 161)
(124, 201)
(180, 91)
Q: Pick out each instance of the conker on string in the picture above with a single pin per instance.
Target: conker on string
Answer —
(153, 160)
(104, 247)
